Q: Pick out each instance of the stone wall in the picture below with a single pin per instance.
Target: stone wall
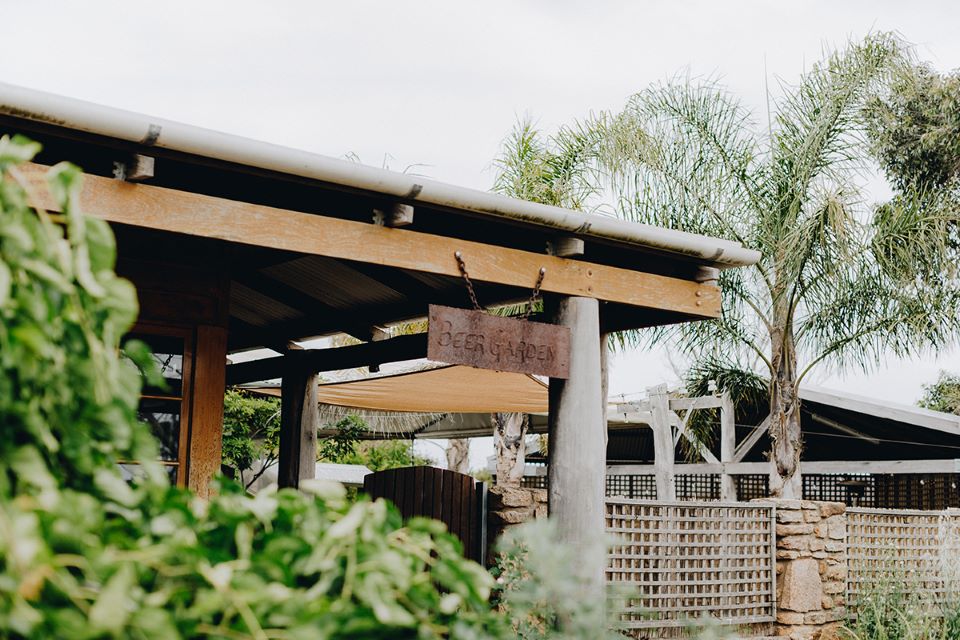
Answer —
(811, 569)
(508, 507)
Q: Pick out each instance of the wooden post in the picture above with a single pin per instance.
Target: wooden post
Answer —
(663, 443)
(728, 445)
(206, 433)
(299, 417)
(577, 447)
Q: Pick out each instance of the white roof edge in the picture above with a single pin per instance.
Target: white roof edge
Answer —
(85, 116)
(936, 420)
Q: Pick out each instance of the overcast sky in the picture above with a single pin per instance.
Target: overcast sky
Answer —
(438, 84)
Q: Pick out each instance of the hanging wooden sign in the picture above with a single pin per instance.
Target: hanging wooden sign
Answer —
(477, 339)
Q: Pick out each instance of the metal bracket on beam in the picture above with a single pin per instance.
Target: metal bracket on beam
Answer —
(565, 247)
(707, 275)
(138, 168)
(398, 215)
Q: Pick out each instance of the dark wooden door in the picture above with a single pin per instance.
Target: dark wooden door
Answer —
(453, 498)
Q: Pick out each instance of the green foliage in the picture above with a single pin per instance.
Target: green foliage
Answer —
(890, 611)
(67, 402)
(345, 447)
(555, 171)
(251, 432)
(915, 128)
(541, 595)
(840, 283)
(942, 395)
(343, 443)
(281, 565)
(84, 554)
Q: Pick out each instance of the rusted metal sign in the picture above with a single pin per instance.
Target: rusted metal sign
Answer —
(461, 336)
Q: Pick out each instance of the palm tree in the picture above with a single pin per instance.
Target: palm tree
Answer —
(837, 285)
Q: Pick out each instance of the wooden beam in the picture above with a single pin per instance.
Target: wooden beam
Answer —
(842, 428)
(663, 443)
(728, 445)
(702, 402)
(396, 349)
(257, 225)
(814, 467)
(137, 169)
(299, 418)
(690, 437)
(566, 246)
(751, 440)
(397, 215)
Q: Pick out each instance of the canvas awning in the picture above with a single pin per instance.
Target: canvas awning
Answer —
(447, 389)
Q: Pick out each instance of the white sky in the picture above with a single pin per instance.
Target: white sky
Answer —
(439, 83)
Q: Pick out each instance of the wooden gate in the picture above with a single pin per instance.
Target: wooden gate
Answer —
(453, 498)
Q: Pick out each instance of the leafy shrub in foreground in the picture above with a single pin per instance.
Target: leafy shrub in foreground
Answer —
(83, 554)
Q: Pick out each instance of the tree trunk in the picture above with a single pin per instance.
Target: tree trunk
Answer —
(458, 455)
(785, 434)
(509, 435)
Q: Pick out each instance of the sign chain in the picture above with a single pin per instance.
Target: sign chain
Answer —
(536, 293)
(466, 278)
(473, 295)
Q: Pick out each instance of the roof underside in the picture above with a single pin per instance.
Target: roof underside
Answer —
(276, 296)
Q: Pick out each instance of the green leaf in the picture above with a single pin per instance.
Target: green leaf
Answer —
(113, 607)
(6, 283)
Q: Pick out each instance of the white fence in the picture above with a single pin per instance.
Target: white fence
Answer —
(917, 551)
(694, 559)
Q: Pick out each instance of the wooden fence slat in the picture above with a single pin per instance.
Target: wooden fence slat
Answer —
(441, 494)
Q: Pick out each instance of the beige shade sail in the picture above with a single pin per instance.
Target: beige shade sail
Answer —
(449, 389)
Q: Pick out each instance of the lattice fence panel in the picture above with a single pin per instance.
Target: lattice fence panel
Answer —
(917, 491)
(694, 559)
(640, 487)
(918, 551)
(699, 486)
(533, 482)
(752, 486)
(856, 489)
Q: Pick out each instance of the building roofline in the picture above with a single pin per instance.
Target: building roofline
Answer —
(79, 115)
(936, 420)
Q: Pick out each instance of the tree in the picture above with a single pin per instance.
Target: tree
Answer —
(458, 455)
(346, 447)
(943, 395)
(251, 434)
(836, 285)
(915, 129)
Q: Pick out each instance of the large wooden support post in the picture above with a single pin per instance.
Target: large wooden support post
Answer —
(299, 418)
(577, 443)
(663, 443)
(728, 445)
(210, 367)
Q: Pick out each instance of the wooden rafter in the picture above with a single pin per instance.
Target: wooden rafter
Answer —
(396, 349)
(257, 225)
(314, 309)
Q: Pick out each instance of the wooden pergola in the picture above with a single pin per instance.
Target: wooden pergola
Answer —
(236, 244)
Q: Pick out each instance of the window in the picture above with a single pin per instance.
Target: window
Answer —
(166, 409)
